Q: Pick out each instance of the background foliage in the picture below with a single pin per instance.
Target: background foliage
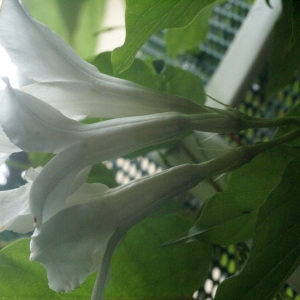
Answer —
(260, 201)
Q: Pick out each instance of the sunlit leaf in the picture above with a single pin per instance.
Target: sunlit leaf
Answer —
(76, 21)
(144, 18)
(276, 245)
(183, 83)
(172, 80)
(139, 72)
(37, 159)
(70, 12)
(181, 40)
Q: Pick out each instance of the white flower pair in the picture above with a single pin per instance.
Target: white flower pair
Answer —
(78, 225)
(75, 221)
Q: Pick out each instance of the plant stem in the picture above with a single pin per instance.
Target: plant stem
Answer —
(102, 277)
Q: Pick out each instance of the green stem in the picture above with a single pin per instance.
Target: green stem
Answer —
(237, 157)
(273, 122)
(102, 277)
(233, 121)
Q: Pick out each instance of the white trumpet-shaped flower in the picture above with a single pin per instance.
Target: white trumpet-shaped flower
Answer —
(81, 235)
(33, 125)
(95, 219)
(80, 238)
(69, 83)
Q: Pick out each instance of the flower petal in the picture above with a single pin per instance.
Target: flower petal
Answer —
(69, 81)
(38, 52)
(15, 213)
(34, 125)
(71, 245)
(116, 138)
(51, 186)
(3, 157)
(5, 144)
(101, 220)
(108, 97)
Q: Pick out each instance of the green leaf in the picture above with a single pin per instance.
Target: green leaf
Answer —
(141, 269)
(180, 82)
(140, 71)
(295, 111)
(276, 245)
(172, 80)
(144, 18)
(285, 58)
(76, 21)
(181, 40)
(37, 159)
(230, 217)
(22, 279)
(100, 173)
(70, 12)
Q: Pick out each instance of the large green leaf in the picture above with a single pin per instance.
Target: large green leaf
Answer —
(172, 80)
(230, 217)
(285, 57)
(139, 72)
(76, 21)
(176, 81)
(141, 269)
(70, 12)
(188, 38)
(276, 245)
(22, 279)
(144, 18)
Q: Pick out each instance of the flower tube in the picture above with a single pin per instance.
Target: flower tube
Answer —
(34, 125)
(69, 83)
(85, 228)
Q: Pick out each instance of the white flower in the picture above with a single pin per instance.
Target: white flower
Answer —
(81, 235)
(80, 238)
(33, 125)
(67, 82)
